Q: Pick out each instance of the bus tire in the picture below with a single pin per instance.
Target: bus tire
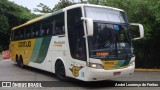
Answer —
(17, 60)
(60, 71)
(21, 62)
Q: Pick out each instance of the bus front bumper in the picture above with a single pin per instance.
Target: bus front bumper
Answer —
(101, 74)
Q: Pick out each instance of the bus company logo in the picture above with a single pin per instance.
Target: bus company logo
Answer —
(75, 70)
(58, 43)
(6, 84)
(24, 44)
(112, 63)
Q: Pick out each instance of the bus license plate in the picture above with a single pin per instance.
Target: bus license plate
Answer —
(116, 73)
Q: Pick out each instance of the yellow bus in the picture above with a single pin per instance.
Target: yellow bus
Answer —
(83, 41)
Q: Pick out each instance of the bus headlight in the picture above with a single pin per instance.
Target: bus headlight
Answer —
(95, 65)
(132, 62)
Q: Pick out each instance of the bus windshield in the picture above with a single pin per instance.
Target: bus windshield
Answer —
(104, 14)
(111, 39)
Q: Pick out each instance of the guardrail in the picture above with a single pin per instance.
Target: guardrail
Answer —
(6, 54)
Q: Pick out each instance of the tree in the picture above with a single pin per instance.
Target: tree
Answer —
(45, 9)
(62, 4)
(147, 13)
(11, 15)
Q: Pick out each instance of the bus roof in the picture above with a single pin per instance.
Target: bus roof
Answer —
(91, 5)
(62, 10)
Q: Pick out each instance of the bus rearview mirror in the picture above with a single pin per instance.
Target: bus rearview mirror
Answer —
(141, 30)
(89, 23)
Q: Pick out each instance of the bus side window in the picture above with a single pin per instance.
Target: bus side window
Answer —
(59, 24)
(33, 33)
(28, 35)
(12, 35)
(47, 27)
(58, 30)
(41, 32)
(19, 34)
(28, 32)
(16, 35)
(37, 33)
(22, 33)
(76, 34)
(36, 30)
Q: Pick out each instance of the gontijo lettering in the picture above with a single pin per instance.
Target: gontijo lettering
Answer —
(24, 44)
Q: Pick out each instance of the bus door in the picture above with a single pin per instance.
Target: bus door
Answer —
(76, 42)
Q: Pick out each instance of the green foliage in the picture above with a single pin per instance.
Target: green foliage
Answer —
(11, 15)
(4, 26)
(45, 9)
(62, 4)
(147, 13)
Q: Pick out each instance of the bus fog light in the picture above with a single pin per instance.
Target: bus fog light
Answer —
(95, 65)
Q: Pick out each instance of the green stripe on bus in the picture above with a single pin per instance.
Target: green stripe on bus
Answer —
(36, 49)
(122, 63)
(43, 49)
(126, 63)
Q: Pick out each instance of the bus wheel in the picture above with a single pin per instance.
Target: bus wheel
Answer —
(60, 71)
(20, 62)
(17, 61)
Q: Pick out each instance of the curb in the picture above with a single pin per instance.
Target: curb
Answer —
(147, 70)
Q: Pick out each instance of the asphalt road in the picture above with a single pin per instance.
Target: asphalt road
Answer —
(9, 71)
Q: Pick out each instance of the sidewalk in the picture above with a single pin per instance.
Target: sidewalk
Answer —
(147, 70)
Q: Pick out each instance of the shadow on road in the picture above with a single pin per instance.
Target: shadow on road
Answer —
(71, 82)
